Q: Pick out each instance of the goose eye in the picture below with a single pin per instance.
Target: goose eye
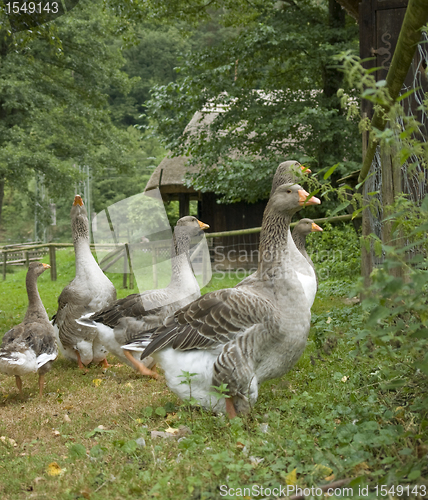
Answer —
(288, 190)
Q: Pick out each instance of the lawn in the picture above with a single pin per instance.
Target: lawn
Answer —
(110, 434)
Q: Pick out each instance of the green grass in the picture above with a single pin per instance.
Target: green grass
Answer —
(329, 418)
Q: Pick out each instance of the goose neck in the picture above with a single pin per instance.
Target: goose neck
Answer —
(35, 304)
(83, 255)
(180, 258)
(273, 241)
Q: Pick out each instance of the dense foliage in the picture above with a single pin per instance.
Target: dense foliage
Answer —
(53, 101)
(272, 88)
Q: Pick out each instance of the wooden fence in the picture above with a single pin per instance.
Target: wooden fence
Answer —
(24, 254)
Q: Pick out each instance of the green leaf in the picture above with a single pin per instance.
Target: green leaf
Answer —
(160, 410)
(414, 475)
(76, 451)
(379, 313)
(330, 171)
(342, 206)
(148, 411)
(129, 446)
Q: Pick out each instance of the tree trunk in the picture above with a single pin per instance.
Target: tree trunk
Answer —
(333, 78)
(1, 197)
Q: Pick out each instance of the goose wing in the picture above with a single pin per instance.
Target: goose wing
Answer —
(213, 319)
(133, 306)
(11, 335)
(71, 305)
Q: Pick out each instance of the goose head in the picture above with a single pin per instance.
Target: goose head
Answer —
(288, 172)
(79, 219)
(306, 226)
(187, 227)
(190, 226)
(289, 199)
(37, 268)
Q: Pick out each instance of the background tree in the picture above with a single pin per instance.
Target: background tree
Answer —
(276, 86)
(54, 111)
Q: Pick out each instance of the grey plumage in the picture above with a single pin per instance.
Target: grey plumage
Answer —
(300, 231)
(245, 335)
(89, 291)
(30, 346)
(121, 321)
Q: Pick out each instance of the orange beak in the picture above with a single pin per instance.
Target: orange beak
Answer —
(305, 170)
(202, 225)
(46, 266)
(315, 227)
(303, 198)
(78, 200)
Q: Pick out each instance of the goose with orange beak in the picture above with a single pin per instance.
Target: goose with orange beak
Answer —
(89, 291)
(30, 346)
(239, 336)
(117, 323)
(302, 229)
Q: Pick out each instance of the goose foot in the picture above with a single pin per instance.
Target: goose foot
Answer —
(230, 409)
(19, 384)
(104, 363)
(79, 361)
(140, 367)
(41, 384)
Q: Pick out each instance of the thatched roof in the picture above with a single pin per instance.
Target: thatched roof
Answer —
(351, 7)
(169, 174)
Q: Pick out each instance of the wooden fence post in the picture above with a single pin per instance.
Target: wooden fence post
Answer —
(52, 261)
(125, 268)
(4, 265)
(128, 257)
(27, 259)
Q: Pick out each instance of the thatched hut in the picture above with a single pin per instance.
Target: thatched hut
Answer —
(169, 178)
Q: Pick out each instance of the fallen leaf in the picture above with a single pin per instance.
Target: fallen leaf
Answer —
(344, 379)
(330, 478)
(97, 382)
(171, 430)
(321, 470)
(291, 478)
(254, 461)
(67, 418)
(53, 469)
(86, 493)
(362, 468)
(102, 427)
(56, 433)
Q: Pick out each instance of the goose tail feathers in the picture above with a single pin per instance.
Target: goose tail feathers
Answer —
(85, 321)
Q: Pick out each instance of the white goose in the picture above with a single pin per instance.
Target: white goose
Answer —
(119, 322)
(240, 336)
(89, 291)
(30, 346)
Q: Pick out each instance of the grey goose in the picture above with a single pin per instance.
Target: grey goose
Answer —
(30, 346)
(89, 291)
(118, 323)
(239, 336)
